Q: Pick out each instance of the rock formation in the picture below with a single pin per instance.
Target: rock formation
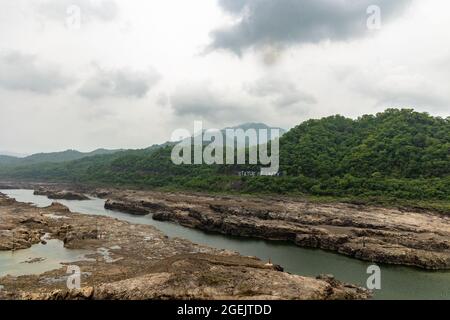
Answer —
(127, 261)
(385, 235)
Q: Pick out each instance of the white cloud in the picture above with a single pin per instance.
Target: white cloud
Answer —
(202, 101)
(119, 83)
(52, 98)
(290, 22)
(283, 93)
(28, 73)
(90, 10)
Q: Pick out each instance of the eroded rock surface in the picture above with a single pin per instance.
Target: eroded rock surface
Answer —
(128, 261)
(393, 236)
(204, 276)
(60, 194)
(127, 207)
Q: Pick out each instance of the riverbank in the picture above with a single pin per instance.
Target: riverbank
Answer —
(385, 235)
(128, 261)
(397, 236)
(414, 205)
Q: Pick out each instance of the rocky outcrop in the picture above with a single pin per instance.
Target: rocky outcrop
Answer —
(6, 186)
(61, 195)
(391, 236)
(250, 283)
(204, 276)
(19, 231)
(58, 207)
(18, 238)
(127, 261)
(132, 208)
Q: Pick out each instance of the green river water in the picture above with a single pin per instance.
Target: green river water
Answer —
(396, 282)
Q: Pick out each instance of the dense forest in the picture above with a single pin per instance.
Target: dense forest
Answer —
(396, 154)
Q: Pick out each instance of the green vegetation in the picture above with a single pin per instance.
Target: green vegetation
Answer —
(54, 157)
(398, 156)
(7, 160)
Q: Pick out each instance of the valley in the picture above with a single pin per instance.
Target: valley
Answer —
(136, 261)
(388, 243)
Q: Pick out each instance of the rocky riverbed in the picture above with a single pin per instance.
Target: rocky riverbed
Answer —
(61, 194)
(384, 235)
(128, 261)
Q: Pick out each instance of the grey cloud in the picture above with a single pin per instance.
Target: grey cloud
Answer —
(200, 102)
(26, 72)
(399, 90)
(233, 6)
(119, 83)
(409, 98)
(287, 22)
(162, 100)
(104, 10)
(283, 93)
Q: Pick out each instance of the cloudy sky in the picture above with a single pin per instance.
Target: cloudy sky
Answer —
(85, 74)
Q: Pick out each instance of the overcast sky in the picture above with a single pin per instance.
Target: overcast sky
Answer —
(129, 72)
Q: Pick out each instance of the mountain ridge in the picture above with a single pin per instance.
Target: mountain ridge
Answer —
(53, 157)
(72, 155)
(396, 154)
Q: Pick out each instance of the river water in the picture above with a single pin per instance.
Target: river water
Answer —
(396, 282)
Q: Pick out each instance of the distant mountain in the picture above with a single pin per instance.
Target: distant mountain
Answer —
(12, 154)
(254, 125)
(257, 127)
(396, 154)
(158, 146)
(247, 126)
(54, 157)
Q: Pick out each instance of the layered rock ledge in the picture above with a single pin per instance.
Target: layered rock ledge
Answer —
(383, 235)
(60, 195)
(127, 261)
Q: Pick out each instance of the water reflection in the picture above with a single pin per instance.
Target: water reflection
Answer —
(397, 282)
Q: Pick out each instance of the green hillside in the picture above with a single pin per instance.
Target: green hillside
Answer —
(7, 160)
(394, 155)
(54, 157)
(396, 143)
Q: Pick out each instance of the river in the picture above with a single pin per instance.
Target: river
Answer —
(396, 282)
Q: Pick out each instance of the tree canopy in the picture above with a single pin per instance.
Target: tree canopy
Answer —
(399, 154)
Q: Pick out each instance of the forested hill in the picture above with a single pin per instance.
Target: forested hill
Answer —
(399, 154)
(53, 157)
(395, 143)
